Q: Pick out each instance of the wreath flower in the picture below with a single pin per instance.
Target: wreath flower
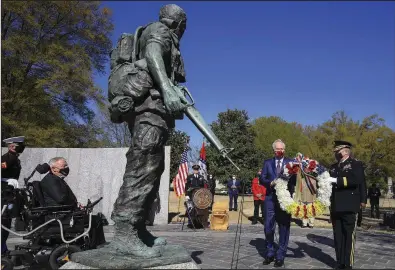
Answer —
(310, 170)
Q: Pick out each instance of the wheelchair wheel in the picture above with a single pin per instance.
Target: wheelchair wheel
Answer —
(61, 255)
(6, 264)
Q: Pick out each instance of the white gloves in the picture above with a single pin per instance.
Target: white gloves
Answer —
(333, 180)
(187, 198)
(13, 182)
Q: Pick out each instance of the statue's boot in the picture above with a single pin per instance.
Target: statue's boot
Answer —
(149, 239)
(127, 242)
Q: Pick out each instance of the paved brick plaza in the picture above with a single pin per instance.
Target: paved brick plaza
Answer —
(308, 248)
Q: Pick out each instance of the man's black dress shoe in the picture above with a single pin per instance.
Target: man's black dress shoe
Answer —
(278, 263)
(268, 260)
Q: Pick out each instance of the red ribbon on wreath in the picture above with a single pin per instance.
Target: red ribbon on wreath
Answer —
(305, 211)
(297, 211)
(313, 209)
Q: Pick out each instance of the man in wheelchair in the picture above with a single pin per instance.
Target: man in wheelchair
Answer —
(56, 192)
(48, 199)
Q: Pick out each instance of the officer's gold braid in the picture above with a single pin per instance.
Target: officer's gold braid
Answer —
(353, 241)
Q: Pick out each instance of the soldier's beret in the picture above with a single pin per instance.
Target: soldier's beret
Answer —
(19, 139)
(340, 145)
(196, 167)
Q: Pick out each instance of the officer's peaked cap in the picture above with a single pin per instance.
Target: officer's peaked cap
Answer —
(196, 167)
(340, 145)
(19, 139)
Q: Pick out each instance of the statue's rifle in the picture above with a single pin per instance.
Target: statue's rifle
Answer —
(194, 115)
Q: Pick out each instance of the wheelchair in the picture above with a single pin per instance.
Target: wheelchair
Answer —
(53, 232)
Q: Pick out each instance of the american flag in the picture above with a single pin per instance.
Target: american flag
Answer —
(181, 177)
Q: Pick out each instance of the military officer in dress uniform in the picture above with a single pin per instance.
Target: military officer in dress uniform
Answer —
(10, 171)
(347, 175)
(194, 181)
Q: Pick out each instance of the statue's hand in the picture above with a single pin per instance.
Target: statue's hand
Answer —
(174, 103)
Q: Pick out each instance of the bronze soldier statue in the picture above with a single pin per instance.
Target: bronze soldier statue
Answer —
(141, 93)
(144, 92)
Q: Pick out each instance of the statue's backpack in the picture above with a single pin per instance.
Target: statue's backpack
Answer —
(123, 52)
(129, 80)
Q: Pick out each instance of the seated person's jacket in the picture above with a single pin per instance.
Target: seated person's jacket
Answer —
(56, 191)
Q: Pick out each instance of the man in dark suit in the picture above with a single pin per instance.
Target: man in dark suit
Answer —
(55, 189)
(211, 185)
(374, 198)
(272, 169)
(234, 187)
(57, 192)
(347, 176)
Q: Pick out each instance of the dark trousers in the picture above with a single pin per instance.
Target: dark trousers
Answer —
(258, 204)
(359, 220)
(374, 206)
(233, 201)
(344, 232)
(213, 193)
(144, 167)
(4, 234)
(273, 214)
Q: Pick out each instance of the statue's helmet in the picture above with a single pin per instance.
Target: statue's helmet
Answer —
(172, 12)
(175, 14)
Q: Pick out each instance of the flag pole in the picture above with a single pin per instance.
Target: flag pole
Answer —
(178, 210)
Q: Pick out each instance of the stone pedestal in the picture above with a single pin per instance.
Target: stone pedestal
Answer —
(172, 255)
(190, 265)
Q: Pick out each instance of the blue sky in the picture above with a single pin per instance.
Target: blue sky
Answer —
(301, 61)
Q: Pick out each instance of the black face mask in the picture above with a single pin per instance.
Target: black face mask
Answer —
(19, 148)
(64, 171)
(338, 156)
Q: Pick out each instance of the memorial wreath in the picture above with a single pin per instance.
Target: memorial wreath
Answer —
(310, 170)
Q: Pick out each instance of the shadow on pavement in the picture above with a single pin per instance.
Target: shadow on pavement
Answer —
(313, 252)
(194, 255)
(314, 238)
(260, 245)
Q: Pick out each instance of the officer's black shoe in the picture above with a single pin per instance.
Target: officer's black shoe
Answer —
(235, 209)
(278, 263)
(254, 222)
(340, 266)
(268, 260)
(230, 209)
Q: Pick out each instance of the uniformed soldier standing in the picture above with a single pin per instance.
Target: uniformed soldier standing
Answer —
(10, 171)
(194, 182)
(347, 176)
